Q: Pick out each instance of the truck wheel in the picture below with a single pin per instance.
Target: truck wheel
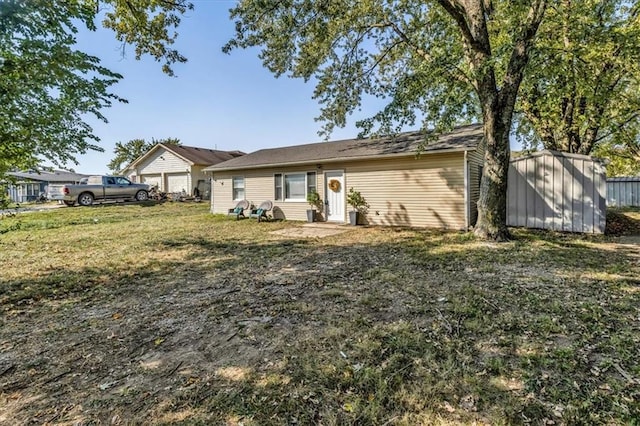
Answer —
(85, 199)
(142, 195)
(69, 203)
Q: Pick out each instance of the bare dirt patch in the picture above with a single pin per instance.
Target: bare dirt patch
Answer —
(312, 230)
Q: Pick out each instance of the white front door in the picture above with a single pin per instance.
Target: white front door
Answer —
(334, 190)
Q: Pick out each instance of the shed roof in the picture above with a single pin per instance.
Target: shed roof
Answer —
(523, 156)
(460, 139)
(624, 179)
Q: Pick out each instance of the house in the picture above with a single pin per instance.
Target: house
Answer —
(30, 184)
(177, 168)
(407, 180)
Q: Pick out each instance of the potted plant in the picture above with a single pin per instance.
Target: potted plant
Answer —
(313, 198)
(359, 205)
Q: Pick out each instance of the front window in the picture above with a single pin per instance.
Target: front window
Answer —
(295, 187)
(238, 188)
(33, 189)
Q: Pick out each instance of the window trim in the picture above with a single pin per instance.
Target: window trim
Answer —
(275, 197)
(283, 176)
(233, 188)
(315, 184)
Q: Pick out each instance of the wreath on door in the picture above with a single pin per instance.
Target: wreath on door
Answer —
(334, 185)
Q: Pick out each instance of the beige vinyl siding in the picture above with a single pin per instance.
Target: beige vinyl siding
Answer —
(197, 174)
(475, 160)
(163, 161)
(422, 192)
(166, 165)
(259, 187)
(404, 191)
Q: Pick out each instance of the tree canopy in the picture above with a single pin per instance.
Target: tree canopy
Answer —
(583, 84)
(624, 157)
(128, 152)
(48, 88)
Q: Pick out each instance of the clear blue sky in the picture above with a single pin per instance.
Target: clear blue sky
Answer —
(228, 102)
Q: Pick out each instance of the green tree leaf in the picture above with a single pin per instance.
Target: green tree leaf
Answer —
(48, 88)
(583, 86)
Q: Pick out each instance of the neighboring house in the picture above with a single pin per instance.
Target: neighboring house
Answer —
(177, 168)
(404, 183)
(29, 185)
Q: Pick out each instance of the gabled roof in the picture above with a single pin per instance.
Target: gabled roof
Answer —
(49, 176)
(463, 138)
(202, 156)
(193, 155)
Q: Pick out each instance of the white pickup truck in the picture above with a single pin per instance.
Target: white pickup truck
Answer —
(101, 188)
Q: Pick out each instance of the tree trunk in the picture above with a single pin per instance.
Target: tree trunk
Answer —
(492, 204)
(497, 103)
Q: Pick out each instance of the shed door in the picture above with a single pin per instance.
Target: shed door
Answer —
(178, 183)
(334, 190)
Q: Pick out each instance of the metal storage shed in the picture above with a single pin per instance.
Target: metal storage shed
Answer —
(557, 191)
(623, 191)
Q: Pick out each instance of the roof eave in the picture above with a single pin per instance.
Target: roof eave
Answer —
(336, 159)
(138, 160)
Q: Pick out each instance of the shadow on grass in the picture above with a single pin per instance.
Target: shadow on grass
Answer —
(427, 328)
(623, 221)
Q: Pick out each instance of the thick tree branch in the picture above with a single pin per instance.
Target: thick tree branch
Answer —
(460, 75)
(520, 55)
(458, 13)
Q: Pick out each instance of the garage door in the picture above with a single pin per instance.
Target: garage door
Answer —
(178, 183)
(152, 180)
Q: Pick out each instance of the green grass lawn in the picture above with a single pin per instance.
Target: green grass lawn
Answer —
(167, 314)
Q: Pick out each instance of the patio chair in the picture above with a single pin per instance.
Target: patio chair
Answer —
(238, 210)
(261, 211)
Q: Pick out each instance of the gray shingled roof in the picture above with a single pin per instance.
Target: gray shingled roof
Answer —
(197, 156)
(45, 176)
(461, 138)
(203, 156)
